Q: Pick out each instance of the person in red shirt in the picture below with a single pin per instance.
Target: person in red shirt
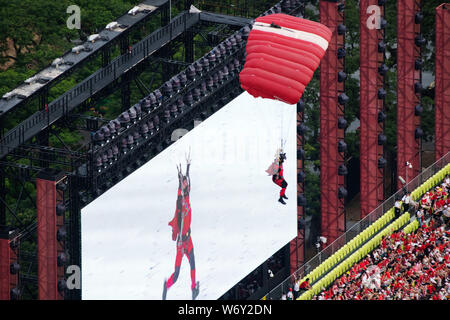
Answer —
(304, 286)
(430, 288)
(433, 198)
(181, 232)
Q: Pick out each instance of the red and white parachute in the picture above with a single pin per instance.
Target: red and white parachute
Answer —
(282, 54)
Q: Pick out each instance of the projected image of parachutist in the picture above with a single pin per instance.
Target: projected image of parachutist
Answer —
(181, 231)
(276, 171)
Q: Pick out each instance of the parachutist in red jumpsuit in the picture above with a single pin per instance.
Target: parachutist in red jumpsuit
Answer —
(278, 178)
(181, 233)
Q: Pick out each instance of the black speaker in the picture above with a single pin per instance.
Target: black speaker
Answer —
(383, 69)
(418, 17)
(341, 29)
(381, 163)
(420, 40)
(418, 133)
(418, 87)
(60, 209)
(381, 116)
(300, 154)
(342, 146)
(301, 176)
(62, 285)
(342, 76)
(15, 293)
(343, 98)
(61, 259)
(418, 64)
(342, 193)
(342, 123)
(14, 268)
(300, 106)
(418, 110)
(301, 129)
(342, 170)
(301, 200)
(382, 139)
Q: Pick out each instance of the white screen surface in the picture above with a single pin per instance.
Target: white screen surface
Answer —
(237, 221)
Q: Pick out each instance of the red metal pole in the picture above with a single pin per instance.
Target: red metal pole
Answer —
(4, 269)
(442, 89)
(408, 147)
(370, 105)
(9, 277)
(297, 245)
(46, 236)
(332, 207)
(48, 222)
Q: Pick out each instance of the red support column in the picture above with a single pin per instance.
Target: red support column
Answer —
(408, 144)
(14, 270)
(9, 268)
(331, 109)
(297, 245)
(4, 268)
(48, 222)
(442, 89)
(371, 104)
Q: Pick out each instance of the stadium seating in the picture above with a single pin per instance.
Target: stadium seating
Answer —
(411, 227)
(349, 247)
(355, 257)
(366, 241)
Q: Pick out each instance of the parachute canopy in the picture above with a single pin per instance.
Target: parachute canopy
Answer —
(282, 54)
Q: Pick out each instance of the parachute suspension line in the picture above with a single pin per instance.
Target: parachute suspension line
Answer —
(285, 137)
(293, 115)
(281, 130)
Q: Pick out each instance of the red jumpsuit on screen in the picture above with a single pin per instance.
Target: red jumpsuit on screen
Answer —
(182, 222)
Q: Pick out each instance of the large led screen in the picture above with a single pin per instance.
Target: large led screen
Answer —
(230, 203)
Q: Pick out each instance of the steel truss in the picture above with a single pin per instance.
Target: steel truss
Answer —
(409, 87)
(21, 153)
(332, 132)
(442, 89)
(372, 110)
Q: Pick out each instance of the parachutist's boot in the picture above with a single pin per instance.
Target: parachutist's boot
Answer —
(284, 197)
(195, 290)
(281, 200)
(164, 290)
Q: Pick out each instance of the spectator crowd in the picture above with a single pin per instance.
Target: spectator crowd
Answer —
(405, 266)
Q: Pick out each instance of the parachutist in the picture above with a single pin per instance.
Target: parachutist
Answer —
(276, 170)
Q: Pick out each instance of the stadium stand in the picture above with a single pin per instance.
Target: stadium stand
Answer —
(344, 259)
(406, 266)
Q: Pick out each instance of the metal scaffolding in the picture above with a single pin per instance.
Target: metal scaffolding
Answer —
(332, 124)
(372, 111)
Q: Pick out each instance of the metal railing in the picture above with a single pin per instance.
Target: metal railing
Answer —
(97, 81)
(283, 287)
(78, 60)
